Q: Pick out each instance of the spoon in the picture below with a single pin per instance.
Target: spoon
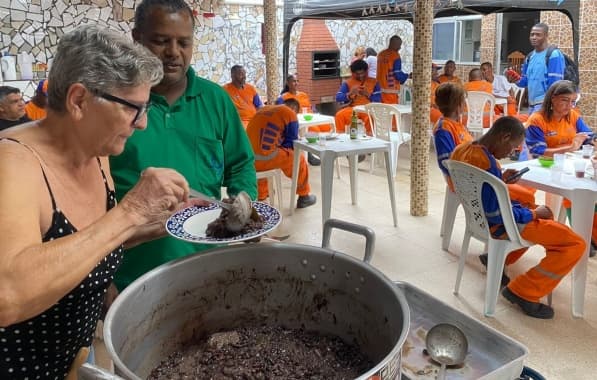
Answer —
(197, 194)
(239, 211)
(447, 345)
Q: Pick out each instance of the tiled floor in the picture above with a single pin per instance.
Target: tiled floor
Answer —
(562, 348)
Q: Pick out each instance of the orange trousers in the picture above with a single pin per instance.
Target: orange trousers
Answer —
(566, 203)
(563, 249)
(524, 195)
(389, 98)
(320, 128)
(344, 116)
(283, 161)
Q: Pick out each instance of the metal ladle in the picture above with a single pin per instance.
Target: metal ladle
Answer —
(447, 345)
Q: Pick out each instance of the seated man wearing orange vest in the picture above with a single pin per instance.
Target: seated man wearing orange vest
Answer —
(562, 245)
(272, 132)
(356, 91)
(477, 83)
(36, 107)
(243, 95)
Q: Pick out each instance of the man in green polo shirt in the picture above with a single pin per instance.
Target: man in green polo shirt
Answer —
(192, 127)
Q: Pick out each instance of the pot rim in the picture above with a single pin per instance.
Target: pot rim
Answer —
(140, 282)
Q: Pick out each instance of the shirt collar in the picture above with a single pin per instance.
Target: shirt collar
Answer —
(193, 88)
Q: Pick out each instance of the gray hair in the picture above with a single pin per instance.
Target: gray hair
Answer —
(102, 60)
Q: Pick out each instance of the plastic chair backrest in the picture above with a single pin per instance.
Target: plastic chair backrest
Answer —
(468, 183)
(476, 103)
(518, 95)
(406, 94)
(381, 119)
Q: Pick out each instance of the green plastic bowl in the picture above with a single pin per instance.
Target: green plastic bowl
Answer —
(308, 117)
(546, 162)
(311, 139)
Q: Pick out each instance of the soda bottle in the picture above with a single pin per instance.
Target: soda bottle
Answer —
(354, 126)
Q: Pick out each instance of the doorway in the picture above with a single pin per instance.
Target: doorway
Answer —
(516, 28)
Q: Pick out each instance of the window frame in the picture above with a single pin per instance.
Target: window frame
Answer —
(459, 26)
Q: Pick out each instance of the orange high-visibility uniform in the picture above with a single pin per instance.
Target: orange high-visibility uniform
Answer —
(434, 112)
(543, 134)
(390, 75)
(448, 134)
(343, 116)
(304, 102)
(271, 132)
(562, 245)
(34, 112)
(444, 78)
(246, 100)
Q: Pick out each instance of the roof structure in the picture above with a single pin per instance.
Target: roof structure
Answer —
(295, 10)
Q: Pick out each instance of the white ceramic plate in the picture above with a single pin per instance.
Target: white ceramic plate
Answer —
(189, 224)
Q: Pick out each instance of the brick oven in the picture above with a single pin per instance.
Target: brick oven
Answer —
(318, 64)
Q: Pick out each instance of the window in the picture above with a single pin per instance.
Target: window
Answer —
(457, 38)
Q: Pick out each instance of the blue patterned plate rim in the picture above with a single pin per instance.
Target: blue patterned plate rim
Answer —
(175, 224)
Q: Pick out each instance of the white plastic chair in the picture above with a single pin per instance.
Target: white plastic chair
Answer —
(406, 94)
(381, 116)
(451, 203)
(476, 102)
(518, 95)
(273, 176)
(468, 182)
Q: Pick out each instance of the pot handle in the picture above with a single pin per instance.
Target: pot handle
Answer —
(358, 229)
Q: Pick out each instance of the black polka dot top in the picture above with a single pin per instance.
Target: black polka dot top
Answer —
(44, 346)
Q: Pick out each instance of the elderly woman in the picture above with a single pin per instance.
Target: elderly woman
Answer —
(62, 232)
(558, 128)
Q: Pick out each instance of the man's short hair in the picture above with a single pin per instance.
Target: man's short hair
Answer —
(292, 103)
(506, 125)
(146, 6)
(487, 64)
(236, 68)
(358, 65)
(542, 26)
(8, 90)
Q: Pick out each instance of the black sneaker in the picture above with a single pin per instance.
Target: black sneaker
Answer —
(532, 309)
(505, 279)
(306, 201)
(313, 160)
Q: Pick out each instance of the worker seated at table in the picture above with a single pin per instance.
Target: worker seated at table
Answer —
(502, 89)
(434, 112)
(449, 132)
(448, 75)
(559, 128)
(356, 91)
(563, 247)
(477, 83)
(272, 132)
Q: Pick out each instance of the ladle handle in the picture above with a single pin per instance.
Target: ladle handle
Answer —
(442, 373)
(197, 194)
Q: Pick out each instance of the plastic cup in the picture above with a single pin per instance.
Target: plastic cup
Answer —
(587, 151)
(579, 168)
(556, 174)
(322, 139)
(558, 160)
(305, 110)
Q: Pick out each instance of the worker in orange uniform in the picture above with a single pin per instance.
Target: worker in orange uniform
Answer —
(477, 83)
(291, 91)
(356, 91)
(244, 96)
(389, 71)
(562, 245)
(434, 112)
(272, 132)
(448, 75)
(36, 107)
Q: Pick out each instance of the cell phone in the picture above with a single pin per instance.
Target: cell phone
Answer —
(517, 175)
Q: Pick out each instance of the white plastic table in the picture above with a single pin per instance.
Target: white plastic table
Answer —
(316, 120)
(340, 147)
(582, 192)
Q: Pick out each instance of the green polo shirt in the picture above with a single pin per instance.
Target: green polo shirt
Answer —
(201, 136)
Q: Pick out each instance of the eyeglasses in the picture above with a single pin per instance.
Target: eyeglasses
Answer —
(141, 109)
(565, 99)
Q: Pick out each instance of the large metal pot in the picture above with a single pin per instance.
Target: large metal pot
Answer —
(282, 284)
